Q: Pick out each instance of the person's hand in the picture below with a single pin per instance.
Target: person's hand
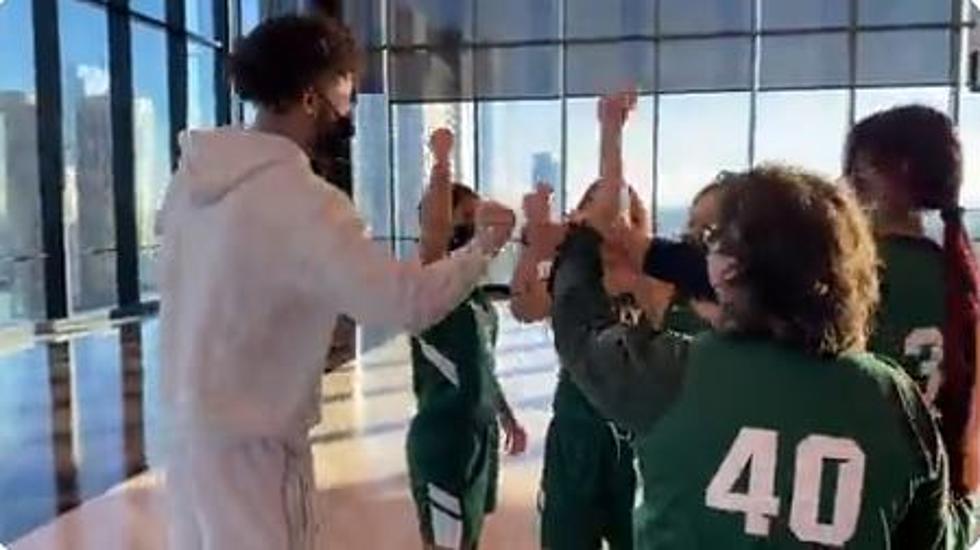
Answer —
(515, 436)
(614, 109)
(435, 217)
(707, 310)
(494, 225)
(544, 239)
(537, 205)
(441, 144)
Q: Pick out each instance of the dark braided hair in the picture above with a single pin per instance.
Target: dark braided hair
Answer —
(917, 146)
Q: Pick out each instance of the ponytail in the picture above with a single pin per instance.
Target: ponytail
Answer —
(958, 396)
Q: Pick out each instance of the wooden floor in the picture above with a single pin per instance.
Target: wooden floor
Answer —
(359, 456)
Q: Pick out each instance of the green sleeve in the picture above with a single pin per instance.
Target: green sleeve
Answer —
(632, 374)
(934, 520)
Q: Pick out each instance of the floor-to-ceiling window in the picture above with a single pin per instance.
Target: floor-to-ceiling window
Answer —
(722, 84)
(21, 248)
(92, 95)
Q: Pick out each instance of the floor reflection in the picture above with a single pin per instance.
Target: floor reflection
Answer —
(74, 423)
(82, 417)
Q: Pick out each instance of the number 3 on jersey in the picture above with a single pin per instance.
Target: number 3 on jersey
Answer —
(757, 449)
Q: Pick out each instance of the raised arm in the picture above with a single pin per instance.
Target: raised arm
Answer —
(437, 207)
(613, 112)
(632, 374)
(361, 279)
(530, 300)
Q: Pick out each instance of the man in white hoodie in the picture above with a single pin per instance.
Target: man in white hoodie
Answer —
(259, 257)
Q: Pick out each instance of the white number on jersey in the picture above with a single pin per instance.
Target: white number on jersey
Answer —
(918, 343)
(757, 449)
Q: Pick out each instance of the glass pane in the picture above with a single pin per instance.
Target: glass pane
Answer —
(596, 69)
(430, 21)
(520, 144)
(151, 132)
(372, 75)
(27, 481)
(96, 389)
(609, 18)
(583, 148)
(894, 12)
(21, 277)
(712, 64)
(697, 136)
(21, 289)
(507, 20)
(801, 14)
(903, 57)
(501, 269)
(250, 15)
(704, 16)
(870, 101)
(201, 108)
(782, 118)
(366, 19)
(406, 249)
(431, 75)
(248, 114)
(524, 72)
(412, 126)
(369, 151)
(87, 132)
(153, 8)
(199, 16)
(149, 259)
(804, 60)
(970, 137)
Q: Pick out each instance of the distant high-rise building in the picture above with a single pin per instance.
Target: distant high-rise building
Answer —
(148, 183)
(20, 210)
(94, 268)
(544, 169)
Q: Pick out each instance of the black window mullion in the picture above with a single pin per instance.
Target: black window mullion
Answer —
(176, 75)
(123, 163)
(222, 91)
(51, 160)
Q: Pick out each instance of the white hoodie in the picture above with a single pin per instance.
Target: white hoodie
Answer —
(259, 257)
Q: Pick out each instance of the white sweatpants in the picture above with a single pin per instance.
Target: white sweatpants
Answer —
(241, 494)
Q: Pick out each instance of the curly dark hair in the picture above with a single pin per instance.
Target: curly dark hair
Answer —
(277, 61)
(917, 142)
(807, 262)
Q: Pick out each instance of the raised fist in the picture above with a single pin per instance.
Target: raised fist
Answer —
(537, 205)
(615, 108)
(441, 144)
(494, 225)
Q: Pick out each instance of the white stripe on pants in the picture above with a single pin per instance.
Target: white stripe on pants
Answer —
(241, 494)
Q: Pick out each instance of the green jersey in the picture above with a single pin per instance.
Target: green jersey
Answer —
(746, 443)
(910, 319)
(453, 365)
(453, 446)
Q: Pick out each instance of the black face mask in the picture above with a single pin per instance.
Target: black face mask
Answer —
(462, 234)
(335, 130)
